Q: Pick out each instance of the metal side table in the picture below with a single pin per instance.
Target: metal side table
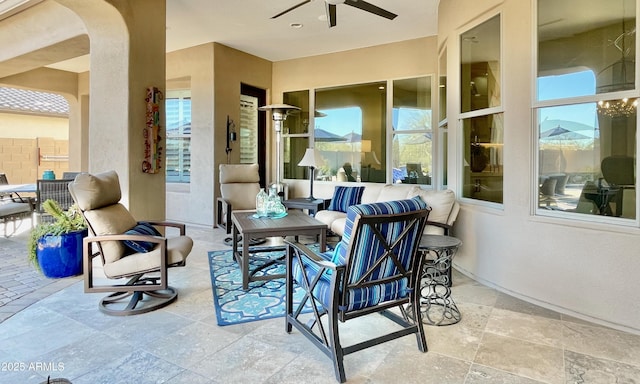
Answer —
(437, 305)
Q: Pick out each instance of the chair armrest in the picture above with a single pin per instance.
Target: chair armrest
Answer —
(312, 256)
(446, 227)
(172, 224)
(224, 209)
(89, 255)
(121, 237)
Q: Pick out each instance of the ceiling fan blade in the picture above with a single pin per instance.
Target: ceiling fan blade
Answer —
(371, 8)
(331, 14)
(292, 8)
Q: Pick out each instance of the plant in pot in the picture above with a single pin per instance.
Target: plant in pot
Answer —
(55, 248)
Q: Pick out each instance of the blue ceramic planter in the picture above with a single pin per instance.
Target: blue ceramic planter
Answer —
(61, 256)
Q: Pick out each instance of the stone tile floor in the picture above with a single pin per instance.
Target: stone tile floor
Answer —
(57, 330)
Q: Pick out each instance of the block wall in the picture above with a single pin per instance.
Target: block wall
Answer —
(24, 160)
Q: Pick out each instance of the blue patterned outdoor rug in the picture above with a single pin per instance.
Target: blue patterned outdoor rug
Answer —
(263, 300)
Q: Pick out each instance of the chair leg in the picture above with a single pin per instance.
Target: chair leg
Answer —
(417, 315)
(336, 349)
(288, 310)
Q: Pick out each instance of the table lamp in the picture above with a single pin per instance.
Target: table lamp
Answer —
(279, 114)
(313, 160)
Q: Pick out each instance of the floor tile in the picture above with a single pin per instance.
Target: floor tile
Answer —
(523, 358)
(602, 342)
(479, 374)
(500, 339)
(581, 368)
(541, 330)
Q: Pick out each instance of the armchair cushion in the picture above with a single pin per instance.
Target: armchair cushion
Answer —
(344, 197)
(145, 229)
(367, 244)
(111, 220)
(441, 203)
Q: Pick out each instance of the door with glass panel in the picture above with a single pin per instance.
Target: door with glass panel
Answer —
(252, 129)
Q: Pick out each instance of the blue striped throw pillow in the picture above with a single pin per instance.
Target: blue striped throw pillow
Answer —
(145, 229)
(344, 197)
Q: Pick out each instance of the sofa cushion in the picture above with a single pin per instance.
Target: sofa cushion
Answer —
(145, 229)
(344, 197)
(441, 203)
(392, 192)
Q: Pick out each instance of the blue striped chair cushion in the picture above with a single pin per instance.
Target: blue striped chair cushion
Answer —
(344, 197)
(367, 251)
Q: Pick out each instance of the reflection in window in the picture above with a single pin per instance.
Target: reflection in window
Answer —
(606, 47)
(412, 149)
(587, 146)
(442, 86)
(341, 151)
(178, 151)
(482, 128)
(296, 125)
(292, 156)
(442, 120)
(575, 173)
(480, 66)
(483, 139)
(350, 131)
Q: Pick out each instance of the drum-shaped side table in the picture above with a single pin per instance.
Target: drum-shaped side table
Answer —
(437, 305)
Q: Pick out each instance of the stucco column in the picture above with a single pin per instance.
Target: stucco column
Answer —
(127, 40)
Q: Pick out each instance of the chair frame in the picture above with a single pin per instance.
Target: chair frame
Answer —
(57, 190)
(138, 285)
(328, 340)
(224, 206)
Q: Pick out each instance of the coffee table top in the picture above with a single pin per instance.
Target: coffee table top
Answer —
(245, 222)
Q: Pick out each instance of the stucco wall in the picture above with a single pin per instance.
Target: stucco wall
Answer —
(585, 269)
(214, 73)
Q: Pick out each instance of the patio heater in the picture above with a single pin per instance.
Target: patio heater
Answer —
(279, 114)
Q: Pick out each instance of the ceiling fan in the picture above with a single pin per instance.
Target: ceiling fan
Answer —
(331, 9)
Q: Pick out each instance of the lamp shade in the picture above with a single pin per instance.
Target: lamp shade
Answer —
(311, 158)
(365, 145)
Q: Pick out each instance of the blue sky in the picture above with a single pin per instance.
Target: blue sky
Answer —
(341, 121)
(569, 85)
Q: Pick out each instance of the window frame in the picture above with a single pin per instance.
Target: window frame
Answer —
(536, 105)
(388, 129)
(490, 110)
(181, 95)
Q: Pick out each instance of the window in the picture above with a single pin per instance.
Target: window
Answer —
(348, 126)
(586, 110)
(295, 137)
(248, 129)
(482, 120)
(412, 148)
(178, 147)
(443, 126)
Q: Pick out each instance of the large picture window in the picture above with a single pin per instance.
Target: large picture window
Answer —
(586, 109)
(178, 147)
(349, 126)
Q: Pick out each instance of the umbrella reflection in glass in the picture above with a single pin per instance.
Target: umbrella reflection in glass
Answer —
(560, 136)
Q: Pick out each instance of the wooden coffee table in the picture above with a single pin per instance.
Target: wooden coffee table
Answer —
(294, 224)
